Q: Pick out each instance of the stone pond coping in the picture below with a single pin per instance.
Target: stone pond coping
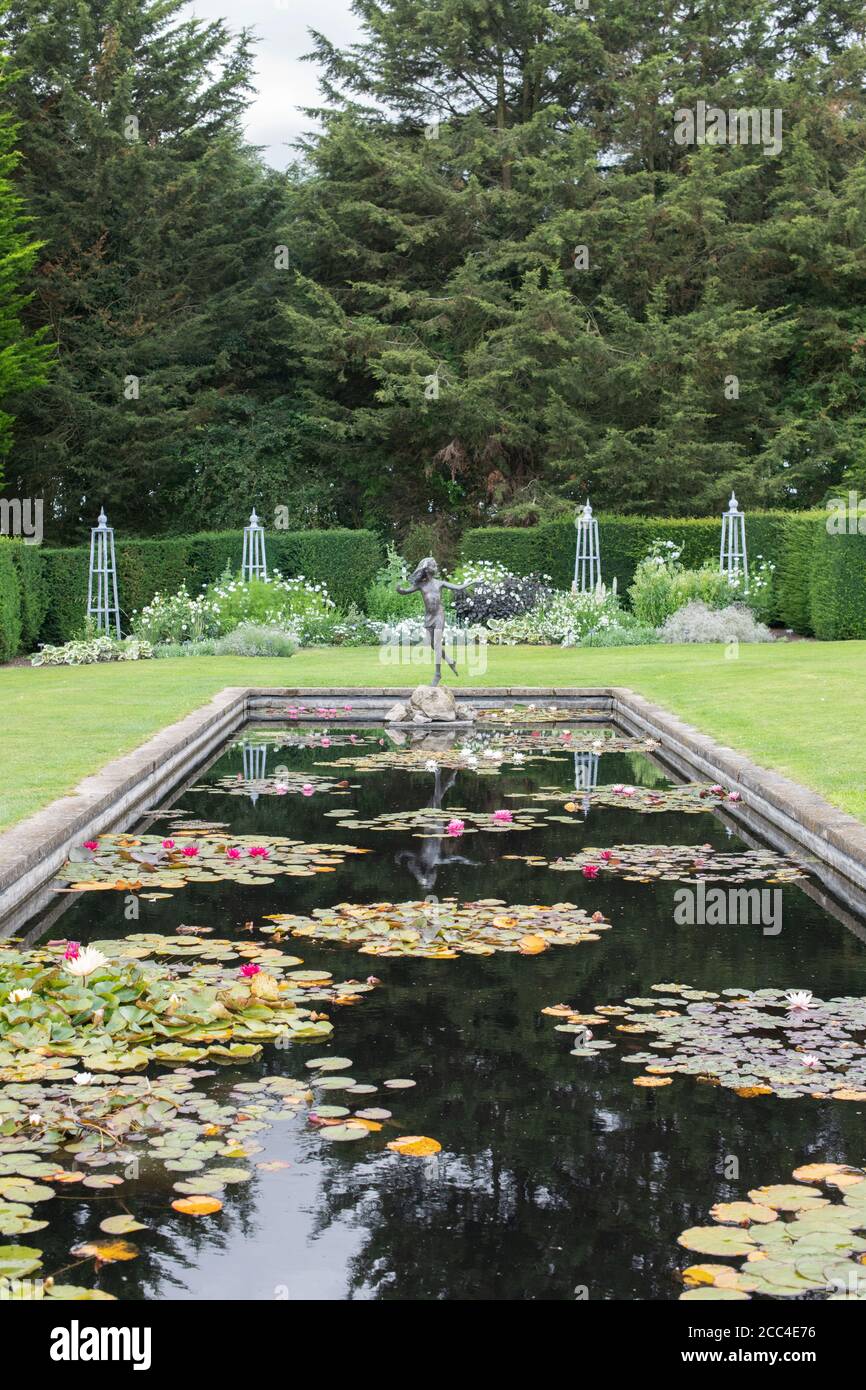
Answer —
(772, 806)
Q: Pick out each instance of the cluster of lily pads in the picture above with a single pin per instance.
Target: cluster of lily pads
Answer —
(283, 783)
(112, 1007)
(533, 714)
(673, 863)
(690, 797)
(433, 823)
(276, 739)
(77, 1021)
(111, 1131)
(755, 1042)
(792, 1238)
(130, 863)
(445, 929)
(487, 755)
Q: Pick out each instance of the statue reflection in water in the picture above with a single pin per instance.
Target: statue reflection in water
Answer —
(424, 864)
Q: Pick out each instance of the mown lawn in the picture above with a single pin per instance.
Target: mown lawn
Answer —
(799, 707)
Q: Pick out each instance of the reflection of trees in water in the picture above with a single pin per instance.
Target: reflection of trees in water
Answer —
(555, 1172)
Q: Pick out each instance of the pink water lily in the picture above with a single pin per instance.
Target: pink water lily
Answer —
(248, 971)
(717, 790)
(233, 853)
(73, 950)
(605, 854)
(168, 844)
(91, 844)
(455, 827)
(734, 796)
(326, 743)
(190, 851)
(503, 816)
(307, 789)
(591, 871)
(259, 852)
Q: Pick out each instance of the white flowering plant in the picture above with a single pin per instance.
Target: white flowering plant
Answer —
(758, 590)
(176, 618)
(271, 602)
(561, 618)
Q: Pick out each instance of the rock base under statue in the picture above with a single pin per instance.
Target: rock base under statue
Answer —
(429, 704)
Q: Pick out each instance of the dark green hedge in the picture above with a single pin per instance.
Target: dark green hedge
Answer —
(346, 561)
(837, 588)
(10, 601)
(29, 561)
(785, 538)
(794, 569)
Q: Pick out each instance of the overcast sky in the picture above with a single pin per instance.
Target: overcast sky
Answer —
(284, 83)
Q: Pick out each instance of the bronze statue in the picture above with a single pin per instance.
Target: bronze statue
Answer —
(425, 581)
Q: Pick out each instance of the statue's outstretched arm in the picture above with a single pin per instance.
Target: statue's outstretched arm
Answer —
(460, 588)
(413, 589)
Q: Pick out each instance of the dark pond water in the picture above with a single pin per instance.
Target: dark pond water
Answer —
(556, 1174)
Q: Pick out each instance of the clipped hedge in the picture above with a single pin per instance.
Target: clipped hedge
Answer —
(10, 602)
(346, 561)
(785, 538)
(794, 569)
(29, 561)
(837, 586)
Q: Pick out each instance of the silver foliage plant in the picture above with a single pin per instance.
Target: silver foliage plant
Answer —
(697, 622)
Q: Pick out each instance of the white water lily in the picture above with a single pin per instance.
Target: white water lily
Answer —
(17, 996)
(83, 1078)
(518, 758)
(799, 999)
(811, 1061)
(87, 960)
(431, 765)
(491, 753)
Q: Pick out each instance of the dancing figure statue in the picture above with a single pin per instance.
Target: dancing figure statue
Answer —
(426, 582)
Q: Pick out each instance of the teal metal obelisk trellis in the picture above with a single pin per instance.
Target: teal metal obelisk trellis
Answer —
(733, 560)
(587, 557)
(102, 604)
(254, 564)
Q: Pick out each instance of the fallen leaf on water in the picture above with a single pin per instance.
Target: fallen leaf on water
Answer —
(197, 1206)
(105, 1251)
(415, 1145)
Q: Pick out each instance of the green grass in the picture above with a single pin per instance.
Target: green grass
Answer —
(798, 707)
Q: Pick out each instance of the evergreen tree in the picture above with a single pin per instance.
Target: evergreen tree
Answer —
(516, 285)
(158, 272)
(23, 355)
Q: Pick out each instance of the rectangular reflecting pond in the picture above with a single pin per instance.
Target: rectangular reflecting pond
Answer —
(556, 1176)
